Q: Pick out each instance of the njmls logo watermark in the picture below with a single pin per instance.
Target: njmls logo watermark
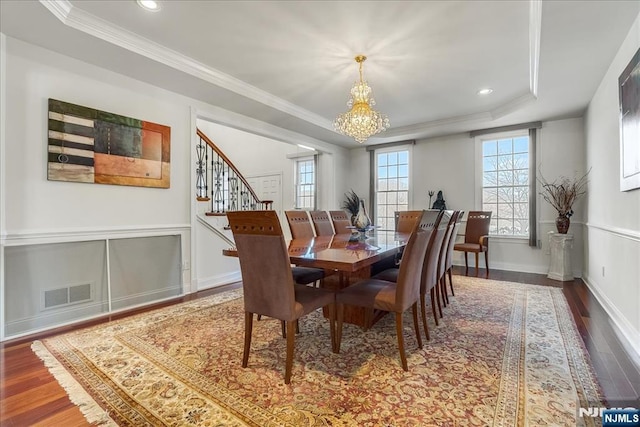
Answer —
(623, 412)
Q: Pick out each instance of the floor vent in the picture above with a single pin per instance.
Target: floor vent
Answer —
(65, 296)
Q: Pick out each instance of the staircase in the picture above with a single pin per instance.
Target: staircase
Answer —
(222, 188)
(219, 182)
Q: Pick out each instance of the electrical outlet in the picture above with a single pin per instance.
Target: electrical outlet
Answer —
(186, 265)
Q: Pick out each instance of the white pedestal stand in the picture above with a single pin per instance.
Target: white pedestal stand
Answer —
(560, 265)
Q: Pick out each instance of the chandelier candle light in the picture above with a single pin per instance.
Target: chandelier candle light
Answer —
(361, 121)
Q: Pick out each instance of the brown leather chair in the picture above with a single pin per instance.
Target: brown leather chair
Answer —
(322, 223)
(267, 280)
(341, 222)
(389, 296)
(428, 279)
(476, 238)
(442, 258)
(299, 224)
(449, 259)
(405, 220)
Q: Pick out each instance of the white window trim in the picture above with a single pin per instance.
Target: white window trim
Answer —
(407, 147)
(478, 175)
(314, 158)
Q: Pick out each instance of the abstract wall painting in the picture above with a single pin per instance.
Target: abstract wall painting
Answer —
(89, 145)
(629, 84)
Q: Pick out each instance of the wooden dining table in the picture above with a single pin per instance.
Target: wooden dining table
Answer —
(346, 258)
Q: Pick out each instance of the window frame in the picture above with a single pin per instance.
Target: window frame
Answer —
(296, 184)
(374, 177)
(479, 170)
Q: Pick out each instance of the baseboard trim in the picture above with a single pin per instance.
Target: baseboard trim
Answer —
(628, 337)
(218, 280)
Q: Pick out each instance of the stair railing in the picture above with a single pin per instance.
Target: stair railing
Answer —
(219, 181)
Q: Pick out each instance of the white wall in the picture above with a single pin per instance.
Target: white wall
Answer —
(34, 210)
(448, 164)
(35, 204)
(612, 256)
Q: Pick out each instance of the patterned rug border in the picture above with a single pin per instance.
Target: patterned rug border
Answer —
(91, 410)
(575, 349)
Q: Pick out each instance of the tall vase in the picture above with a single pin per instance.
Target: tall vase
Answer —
(562, 224)
(362, 220)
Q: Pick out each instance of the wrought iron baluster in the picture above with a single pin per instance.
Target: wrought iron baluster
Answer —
(201, 171)
(218, 197)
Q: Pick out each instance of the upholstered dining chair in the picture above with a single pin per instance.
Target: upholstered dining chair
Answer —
(476, 238)
(389, 296)
(299, 224)
(341, 222)
(322, 223)
(267, 281)
(442, 258)
(428, 279)
(405, 220)
(449, 258)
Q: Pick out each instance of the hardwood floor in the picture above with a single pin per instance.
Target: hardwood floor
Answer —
(30, 396)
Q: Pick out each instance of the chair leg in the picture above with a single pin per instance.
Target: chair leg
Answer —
(297, 326)
(248, 327)
(291, 337)
(259, 317)
(283, 326)
(443, 290)
(403, 357)
(332, 326)
(414, 310)
(477, 266)
(423, 308)
(433, 306)
(340, 319)
(451, 282)
(466, 264)
(486, 262)
(437, 288)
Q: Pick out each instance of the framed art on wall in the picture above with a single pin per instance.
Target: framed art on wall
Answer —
(629, 84)
(89, 145)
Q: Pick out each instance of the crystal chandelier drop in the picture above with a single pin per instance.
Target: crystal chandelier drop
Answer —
(361, 121)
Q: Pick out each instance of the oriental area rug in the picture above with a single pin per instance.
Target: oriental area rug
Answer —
(505, 354)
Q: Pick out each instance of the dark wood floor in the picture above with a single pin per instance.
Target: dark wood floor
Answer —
(30, 396)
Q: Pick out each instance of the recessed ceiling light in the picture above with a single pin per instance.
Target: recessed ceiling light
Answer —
(485, 91)
(151, 5)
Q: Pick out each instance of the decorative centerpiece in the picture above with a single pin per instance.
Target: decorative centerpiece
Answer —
(562, 194)
(351, 204)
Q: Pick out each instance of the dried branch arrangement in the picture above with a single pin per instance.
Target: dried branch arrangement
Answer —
(563, 192)
(351, 203)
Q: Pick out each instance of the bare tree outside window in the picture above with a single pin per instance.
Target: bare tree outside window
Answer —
(505, 185)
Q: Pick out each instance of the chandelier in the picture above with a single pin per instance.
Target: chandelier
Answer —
(361, 121)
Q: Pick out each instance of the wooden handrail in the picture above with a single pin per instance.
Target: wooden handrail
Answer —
(214, 147)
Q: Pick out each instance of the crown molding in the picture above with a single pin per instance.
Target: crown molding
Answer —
(78, 19)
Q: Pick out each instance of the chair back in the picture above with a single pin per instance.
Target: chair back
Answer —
(430, 270)
(442, 258)
(322, 223)
(267, 280)
(410, 273)
(452, 240)
(340, 221)
(299, 224)
(405, 220)
(477, 226)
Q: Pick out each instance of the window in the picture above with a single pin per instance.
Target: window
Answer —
(391, 186)
(305, 197)
(505, 184)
